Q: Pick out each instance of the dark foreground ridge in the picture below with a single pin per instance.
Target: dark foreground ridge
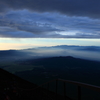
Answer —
(9, 85)
(14, 88)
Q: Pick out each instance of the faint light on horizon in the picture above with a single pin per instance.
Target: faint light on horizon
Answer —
(24, 43)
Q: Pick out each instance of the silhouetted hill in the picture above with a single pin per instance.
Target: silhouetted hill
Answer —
(67, 67)
(12, 55)
(63, 61)
(7, 53)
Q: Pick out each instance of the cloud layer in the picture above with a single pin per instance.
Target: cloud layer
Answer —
(25, 24)
(88, 8)
(50, 18)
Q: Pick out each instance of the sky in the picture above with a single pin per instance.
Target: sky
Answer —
(36, 23)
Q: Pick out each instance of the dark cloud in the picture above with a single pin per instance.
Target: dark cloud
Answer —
(90, 8)
(25, 24)
(38, 30)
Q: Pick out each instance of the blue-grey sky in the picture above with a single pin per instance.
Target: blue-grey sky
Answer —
(48, 22)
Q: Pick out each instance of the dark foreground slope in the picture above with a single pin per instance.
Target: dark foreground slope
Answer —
(10, 86)
(14, 88)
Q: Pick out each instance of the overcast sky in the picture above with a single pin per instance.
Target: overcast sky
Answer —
(53, 19)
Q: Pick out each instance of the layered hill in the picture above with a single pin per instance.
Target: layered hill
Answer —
(67, 67)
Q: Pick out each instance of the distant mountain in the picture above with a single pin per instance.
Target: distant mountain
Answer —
(62, 60)
(53, 51)
(12, 55)
(7, 53)
(90, 48)
(67, 67)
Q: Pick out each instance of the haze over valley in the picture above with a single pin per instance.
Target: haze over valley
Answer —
(38, 65)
